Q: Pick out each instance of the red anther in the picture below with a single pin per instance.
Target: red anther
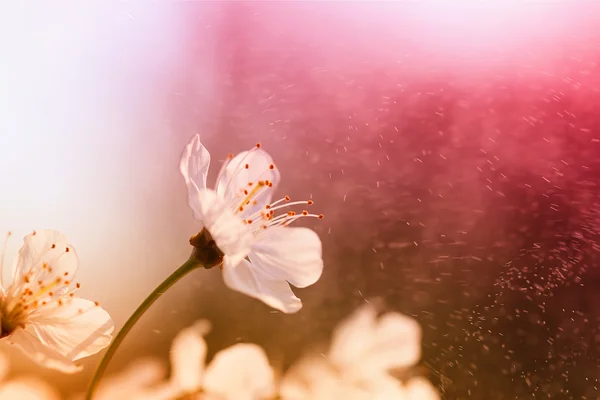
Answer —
(271, 166)
(321, 216)
(287, 198)
(310, 202)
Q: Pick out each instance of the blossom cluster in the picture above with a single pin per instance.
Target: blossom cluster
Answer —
(246, 233)
(366, 351)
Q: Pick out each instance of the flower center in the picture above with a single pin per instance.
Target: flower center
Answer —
(9, 320)
(246, 199)
(206, 251)
(38, 290)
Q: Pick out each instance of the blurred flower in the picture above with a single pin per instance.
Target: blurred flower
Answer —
(24, 387)
(364, 350)
(137, 382)
(39, 311)
(27, 388)
(240, 372)
(261, 255)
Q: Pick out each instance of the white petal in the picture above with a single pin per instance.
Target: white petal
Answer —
(352, 337)
(240, 372)
(230, 234)
(274, 293)
(310, 378)
(397, 343)
(291, 254)
(188, 355)
(234, 178)
(420, 389)
(134, 382)
(78, 328)
(366, 346)
(48, 357)
(46, 255)
(193, 165)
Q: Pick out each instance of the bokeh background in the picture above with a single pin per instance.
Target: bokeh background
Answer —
(453, 147)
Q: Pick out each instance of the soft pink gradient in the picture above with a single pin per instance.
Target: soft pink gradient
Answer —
(97, 101)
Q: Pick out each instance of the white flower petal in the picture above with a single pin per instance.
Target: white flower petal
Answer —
(352, 337)
(134, 382)
(193, 165)
(46, 255)
(48, 357)
(291, 254)
(240, 372)
(234, 178)
(420, 389)
(230, 234)
(367, 346)
(310, 378)
(188, 355)
(78, 328)
(397, 342)
(274, 293)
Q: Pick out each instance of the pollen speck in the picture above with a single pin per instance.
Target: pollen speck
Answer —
(247, 166)
(78, 285)
(96, 303)
(50, 294)
(291, 213)
(249, 221)
(245, 192)
(60, 303)
(271, 166)
(66, 273)
(33, 233)
(67, 249)
(67, 282)
(258, 145)
(44, 265)
(53, 246)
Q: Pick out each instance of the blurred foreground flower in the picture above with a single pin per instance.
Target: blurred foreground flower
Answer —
(23, 387)
(260, 255)
(364, 353)
(364, 350)
(39, 312)
(240, 372)
(137, 382)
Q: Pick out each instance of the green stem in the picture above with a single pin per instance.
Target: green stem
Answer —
(179, 273)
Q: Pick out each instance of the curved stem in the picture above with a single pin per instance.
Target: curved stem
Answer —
(179, 273)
